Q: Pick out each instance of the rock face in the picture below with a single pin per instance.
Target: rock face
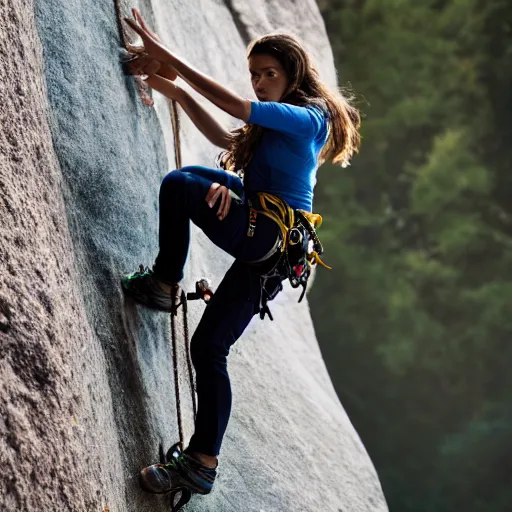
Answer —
(86, 379)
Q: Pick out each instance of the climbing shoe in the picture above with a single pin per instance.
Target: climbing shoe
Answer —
(143, 287)
(180, 471)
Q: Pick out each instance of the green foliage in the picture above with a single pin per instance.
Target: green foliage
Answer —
(416, 312)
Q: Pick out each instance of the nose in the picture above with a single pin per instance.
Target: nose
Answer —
(259, 85)
(258, 81)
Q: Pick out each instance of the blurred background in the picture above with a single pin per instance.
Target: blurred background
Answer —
(415, 319)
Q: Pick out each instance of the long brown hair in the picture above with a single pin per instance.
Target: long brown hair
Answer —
(305, 88)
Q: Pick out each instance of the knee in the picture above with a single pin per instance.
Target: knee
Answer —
(173, 180)
(207, 352)
(174, 188)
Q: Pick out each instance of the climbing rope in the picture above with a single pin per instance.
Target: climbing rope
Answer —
(182, 299)
(175, 121)
(120, 26)
(186, 340)
(204, 292)
(182, 302)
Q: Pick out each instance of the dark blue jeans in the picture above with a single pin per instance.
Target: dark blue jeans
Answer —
(236, 300)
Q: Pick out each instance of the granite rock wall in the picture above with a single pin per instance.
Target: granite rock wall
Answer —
(85, 377)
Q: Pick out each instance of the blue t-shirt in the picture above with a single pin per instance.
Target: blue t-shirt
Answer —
(284, 162)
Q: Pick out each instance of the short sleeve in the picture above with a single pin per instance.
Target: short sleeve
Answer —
(301, 122)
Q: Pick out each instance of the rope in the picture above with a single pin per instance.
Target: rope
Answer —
(284, 217)
(176, 373)
(184, 305)
(189, 358)
(120, 26)
(175, 121)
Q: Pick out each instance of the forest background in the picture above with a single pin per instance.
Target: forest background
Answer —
(415, 319)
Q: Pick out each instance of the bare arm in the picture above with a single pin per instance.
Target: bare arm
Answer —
(219, 95)
(206, 124)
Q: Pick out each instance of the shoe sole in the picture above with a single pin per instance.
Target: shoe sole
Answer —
(179, 486)
(136, 298)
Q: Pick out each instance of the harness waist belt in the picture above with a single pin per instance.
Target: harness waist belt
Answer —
(273, 250)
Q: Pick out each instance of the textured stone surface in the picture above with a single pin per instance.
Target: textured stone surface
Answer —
(85, 378)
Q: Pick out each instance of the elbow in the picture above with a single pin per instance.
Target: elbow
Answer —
(221, 144)
(245, 110)
(222, 141)
(241, 109)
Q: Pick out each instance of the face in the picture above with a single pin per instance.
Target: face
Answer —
(268, 77)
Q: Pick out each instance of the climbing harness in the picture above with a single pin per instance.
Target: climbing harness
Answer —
(296, 250)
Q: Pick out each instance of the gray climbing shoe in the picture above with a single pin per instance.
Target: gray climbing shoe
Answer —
(143, 288)
(181, 471)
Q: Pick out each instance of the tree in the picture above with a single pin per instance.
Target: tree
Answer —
(419, 231)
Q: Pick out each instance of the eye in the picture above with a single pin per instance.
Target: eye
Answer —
(271, 74)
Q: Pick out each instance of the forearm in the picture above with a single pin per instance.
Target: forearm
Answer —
(167, 72)
(206, 123)
(219, 95)
(163, 86)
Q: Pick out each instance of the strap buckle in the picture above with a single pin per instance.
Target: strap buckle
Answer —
(253, 214)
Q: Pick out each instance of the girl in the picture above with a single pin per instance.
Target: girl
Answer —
(296, 124)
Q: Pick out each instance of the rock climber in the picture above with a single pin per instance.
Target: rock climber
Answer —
(296, 123)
